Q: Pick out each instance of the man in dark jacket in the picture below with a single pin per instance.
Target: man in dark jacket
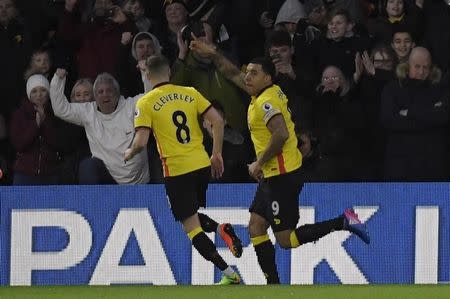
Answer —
(414, 111)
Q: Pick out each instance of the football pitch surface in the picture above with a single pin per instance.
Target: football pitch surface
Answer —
(233, 292)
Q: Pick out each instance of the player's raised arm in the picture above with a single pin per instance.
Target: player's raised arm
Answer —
(226, 67)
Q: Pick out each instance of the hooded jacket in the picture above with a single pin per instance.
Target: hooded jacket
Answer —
(129, 76)
(156, 44)
(291, 11)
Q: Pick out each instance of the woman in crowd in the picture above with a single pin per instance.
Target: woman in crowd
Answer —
(34, 137)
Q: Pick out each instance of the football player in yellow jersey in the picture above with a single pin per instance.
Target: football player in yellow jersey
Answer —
(277, 167)
(172, 113)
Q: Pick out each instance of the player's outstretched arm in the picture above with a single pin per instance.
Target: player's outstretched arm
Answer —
(217, 167)
(226, 67)
(139, 142)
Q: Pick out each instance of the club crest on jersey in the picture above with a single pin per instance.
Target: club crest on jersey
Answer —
(136, 112)
(269, 111)
(267, 106)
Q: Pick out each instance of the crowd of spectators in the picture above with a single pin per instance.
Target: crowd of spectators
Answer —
(368, 83)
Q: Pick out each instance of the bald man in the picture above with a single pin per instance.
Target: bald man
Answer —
(419, 63)
(414, 111)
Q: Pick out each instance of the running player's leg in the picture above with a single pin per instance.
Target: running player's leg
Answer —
(209, 225)
(183, 194)
(206, 248)
(287, 235)
(225, 231)
(312, 232)
(257, 227)
(265, 251)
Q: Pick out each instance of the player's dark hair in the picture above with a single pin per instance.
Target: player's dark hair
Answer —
(266, 65)
(157, 64)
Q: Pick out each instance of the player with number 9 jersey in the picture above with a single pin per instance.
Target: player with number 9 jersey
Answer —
(270, 102)
(172, 112)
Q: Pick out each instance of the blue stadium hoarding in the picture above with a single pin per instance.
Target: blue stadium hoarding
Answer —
(104, 235)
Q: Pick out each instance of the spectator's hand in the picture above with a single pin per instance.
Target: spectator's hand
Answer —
(265, 21)
(126, 38)
(142, 66)
(359, 67)
(70, 5)
(286, 69)
(119, 16)
(40, 114)
(255, 171)
(61, 73)
(217, 167)
(182, 46)
(419, 3)
(201, 48)
(368, 63)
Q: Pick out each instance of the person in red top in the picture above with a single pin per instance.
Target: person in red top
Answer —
(33, 135)
(98, 40)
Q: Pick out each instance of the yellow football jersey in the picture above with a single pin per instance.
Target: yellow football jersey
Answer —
(172, 112)
(272, 101)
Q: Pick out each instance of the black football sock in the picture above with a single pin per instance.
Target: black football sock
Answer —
(208, 224)
(207, 249)
(313, 232)
(265, 252)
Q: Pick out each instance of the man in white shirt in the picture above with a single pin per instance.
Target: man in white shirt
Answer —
(109, 125)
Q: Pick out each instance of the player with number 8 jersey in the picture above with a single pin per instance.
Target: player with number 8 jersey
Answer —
(172, 112)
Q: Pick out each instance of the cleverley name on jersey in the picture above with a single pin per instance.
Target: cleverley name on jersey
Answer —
(171, 97)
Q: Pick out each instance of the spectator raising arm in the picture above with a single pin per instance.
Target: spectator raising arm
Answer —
(225, 66)
(61, 106)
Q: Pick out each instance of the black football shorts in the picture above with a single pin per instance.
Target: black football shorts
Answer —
(187, 192)
(276, 199)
